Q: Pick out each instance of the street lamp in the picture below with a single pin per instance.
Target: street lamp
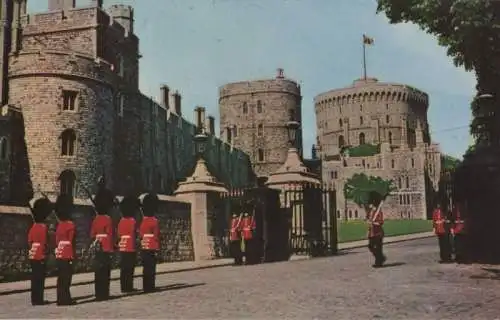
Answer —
(200, 143)
(292, 127)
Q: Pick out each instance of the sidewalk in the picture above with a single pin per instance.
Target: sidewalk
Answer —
(173, 267)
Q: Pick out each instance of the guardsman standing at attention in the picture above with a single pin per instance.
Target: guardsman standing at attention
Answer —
(376, 234)
(247, 228)
(127, 242)
(458, 232)
(235, 239)
(101, 233)
(440, 229)
(65, 248)
(149, 233)
(37, 241)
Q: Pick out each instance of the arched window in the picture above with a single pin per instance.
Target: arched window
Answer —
(390, 137)
(361, 138)
(245, 107)
(356, 214)
(291, 114)
(68, 142)
(407, 182)
(387, 119)
(350, 214)
(341, 141)
(393, 163)
(260, 154)
(229, 135)
(67, 181)
(4, 149)
(260, 130)
(340, 123)
(361, 120)
(259, 106)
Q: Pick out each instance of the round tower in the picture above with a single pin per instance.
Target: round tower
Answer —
(371, 112)
(254, 116)
(68, 107)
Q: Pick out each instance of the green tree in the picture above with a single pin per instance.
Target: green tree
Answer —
(469, 29)
(363, 190)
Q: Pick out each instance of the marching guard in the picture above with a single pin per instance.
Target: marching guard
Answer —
(149, 233)
(127, 242)
(440, 226)
(101, 233)
(376, 235)
(235, 240)
(458, 232)
(37, 241)
(65, 248)
(248, 227)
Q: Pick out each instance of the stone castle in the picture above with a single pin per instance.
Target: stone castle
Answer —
(380, 129)
(72, 109)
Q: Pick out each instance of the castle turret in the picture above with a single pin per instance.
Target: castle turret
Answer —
(124, 16)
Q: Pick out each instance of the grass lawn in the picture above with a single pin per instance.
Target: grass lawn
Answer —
(357, 230)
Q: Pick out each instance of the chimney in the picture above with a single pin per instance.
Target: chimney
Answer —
(96, 3)
(165, 90)
(210, 125)
(61, 4)
(199, 116)
(280, 73)
(177, 103)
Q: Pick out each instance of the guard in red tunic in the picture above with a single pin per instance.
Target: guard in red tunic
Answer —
(458, 232)
(102, 237)
(65, 249)
(247, 230)
(37, 242)
(149, 233)
(441, 229)
(235, 239)
(376, 234)
(127, 236)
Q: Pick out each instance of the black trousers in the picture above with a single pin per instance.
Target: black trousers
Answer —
(37, 281)
(249, 251)
(444, 247)
(148, 270)
(235, 251)
(459, 241)
(127, 267)
(375, 245)
(64, 276)
(102, 274)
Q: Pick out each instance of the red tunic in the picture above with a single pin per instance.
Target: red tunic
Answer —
(102, 230)
(149, 232)
(438, 222)
(234, 233)
(458, 224)
(37, 241)
(126, 233)
(375, 228)
(65, 237)
(247, 226)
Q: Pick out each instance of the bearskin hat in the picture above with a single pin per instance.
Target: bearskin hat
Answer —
(104, 201)
(129, 206)
(42, 208)
(150, 204)
(64, 206)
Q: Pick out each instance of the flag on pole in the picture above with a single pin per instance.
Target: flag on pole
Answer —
(367, 40)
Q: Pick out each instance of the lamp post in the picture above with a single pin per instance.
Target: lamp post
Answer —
(200, 144)
(292, 127)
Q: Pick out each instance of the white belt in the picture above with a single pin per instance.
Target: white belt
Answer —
(64, 242)
(101, 235)
(125, 237)
(149, 235)
(459, 221)
(35, 244)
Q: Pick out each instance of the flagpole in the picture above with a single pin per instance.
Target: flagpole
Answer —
(364, 59)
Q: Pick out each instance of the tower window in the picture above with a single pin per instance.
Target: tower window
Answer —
(362, 138)
(68, 141)
(361, 120)
(390, 137)
(259, 106)
(341, 141)
(245, 107)
(260, 155)
(412, 163)
(291, 114)
(69, 100)
(340, 123)
(387, 119)
(4, 151)
(260, 130)
(229, 136)
(393, 163)
(235, 131)
(67, 180)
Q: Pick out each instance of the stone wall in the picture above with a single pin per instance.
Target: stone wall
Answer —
(175, 223)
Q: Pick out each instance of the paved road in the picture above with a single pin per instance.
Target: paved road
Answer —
(341, 287)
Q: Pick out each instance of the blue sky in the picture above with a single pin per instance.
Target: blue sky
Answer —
(196, 46)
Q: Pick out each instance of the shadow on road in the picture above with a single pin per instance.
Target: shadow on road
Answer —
(393, 264)
(494, 274)
(175, 286)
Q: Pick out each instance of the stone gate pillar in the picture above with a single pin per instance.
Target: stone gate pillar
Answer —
(201, 190)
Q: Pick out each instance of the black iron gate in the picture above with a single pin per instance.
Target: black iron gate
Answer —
(312, 219)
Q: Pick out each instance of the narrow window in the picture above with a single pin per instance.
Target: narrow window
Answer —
(260, 130)
(390, 137)
(229, 135)
(235, 131)
(259, 106)
(68, 141)
(245, 107)
(393, 163)
(412, 163)
(260, 155)
(407, 182)
(340, 123)
(361, 120)
(69, 100)
(341, 141)
(67, 181)
(387, 119)
(361, 138)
